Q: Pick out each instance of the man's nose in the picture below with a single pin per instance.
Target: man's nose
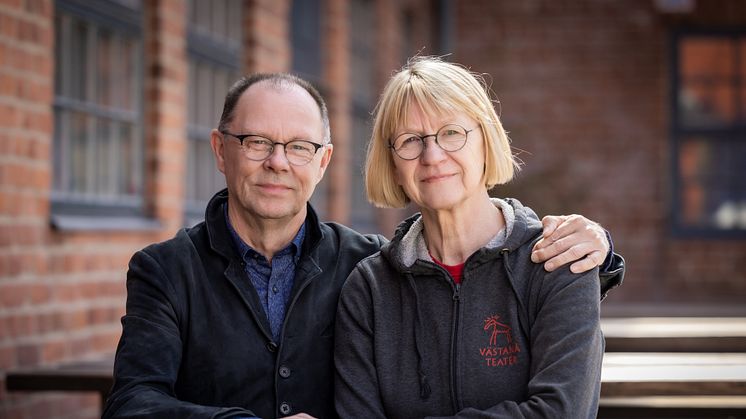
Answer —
(277, 158)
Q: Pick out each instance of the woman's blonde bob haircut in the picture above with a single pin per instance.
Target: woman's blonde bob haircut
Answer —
(438, 88)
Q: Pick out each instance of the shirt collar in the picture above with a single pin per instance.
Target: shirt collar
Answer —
(247, 251)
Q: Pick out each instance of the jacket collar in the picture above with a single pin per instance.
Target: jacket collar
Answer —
(220, 237)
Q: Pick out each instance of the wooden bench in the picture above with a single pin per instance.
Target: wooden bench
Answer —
(673, 385)
(675, 334)
(90, 375)
(631, 382)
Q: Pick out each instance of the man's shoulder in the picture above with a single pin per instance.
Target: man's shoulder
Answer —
(346, 238)
(185, 239)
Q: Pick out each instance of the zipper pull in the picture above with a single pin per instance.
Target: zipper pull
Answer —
(456, 292)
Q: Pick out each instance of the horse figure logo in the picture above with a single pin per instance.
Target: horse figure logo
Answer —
(497, 329)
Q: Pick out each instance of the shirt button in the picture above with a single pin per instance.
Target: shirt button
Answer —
(285, 408)
(284, 372)
(272, 347)
(275, 290)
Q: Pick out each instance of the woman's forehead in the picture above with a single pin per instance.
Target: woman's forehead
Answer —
(415, 114)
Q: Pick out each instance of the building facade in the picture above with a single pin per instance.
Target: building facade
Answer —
(632, 113)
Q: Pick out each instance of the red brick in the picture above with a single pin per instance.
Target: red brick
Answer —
(28, 355)
(20, 293)
(54, 350)
(7, 359)
(8, 26)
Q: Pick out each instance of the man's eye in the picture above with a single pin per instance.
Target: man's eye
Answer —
(300, 147)
(257, 143)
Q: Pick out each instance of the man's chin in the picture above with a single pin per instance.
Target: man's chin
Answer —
(277, 212)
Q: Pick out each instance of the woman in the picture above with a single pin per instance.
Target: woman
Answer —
(451, 318)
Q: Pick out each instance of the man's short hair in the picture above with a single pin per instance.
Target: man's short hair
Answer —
(438, 88)
(278, 80)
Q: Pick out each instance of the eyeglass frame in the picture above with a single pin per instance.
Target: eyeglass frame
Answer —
(242, 137)
(422, 139)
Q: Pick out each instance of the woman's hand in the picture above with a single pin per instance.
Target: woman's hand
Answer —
(569, 238)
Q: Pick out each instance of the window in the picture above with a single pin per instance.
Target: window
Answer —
(306, 39)
(362, 77)
(709, 133)
(214, 45)
(98, 139)
(305, 35)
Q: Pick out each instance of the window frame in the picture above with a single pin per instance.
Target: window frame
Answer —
(203, 49)
(88, 211)
(679, 131)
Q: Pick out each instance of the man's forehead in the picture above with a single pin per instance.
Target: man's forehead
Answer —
(278, 106)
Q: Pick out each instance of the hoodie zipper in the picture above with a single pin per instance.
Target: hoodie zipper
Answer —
(454, 349)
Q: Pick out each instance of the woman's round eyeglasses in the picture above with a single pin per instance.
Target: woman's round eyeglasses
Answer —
(451, 137)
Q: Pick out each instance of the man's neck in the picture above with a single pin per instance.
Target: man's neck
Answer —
(264, 235)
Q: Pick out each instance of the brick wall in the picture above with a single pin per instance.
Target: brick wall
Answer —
(584, 91)
(267, 36)
(62, 291)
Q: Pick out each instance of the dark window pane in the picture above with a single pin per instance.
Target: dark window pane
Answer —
(306, 38)
(102, 176)
(78, 157)
(707, 57)
(706, 96)
(98, 140)
(79, 58)
(362, 76)
(713, 188)
(707, 104)
(214, 64)
(710, 141)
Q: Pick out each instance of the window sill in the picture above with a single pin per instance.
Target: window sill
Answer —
(65, 222)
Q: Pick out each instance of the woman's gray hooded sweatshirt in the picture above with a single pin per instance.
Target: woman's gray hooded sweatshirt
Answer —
(511, 341)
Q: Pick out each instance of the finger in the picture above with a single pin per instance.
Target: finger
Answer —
(567, 255)
(553, 249)
(538, 246)
(550, 223)
(589, 262)
(570, 224)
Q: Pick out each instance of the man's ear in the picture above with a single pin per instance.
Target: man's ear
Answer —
(218, 149)
(326, 157)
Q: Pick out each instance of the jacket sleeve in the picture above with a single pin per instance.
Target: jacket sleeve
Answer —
(150, 349)
(566, 352)
(613, 275)
(356, 383)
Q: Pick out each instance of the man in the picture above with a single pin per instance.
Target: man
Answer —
(235, 316)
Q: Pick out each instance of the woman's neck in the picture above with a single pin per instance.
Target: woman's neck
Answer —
(454, 234)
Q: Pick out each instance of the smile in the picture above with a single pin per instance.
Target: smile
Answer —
(271, 187)
(436, 178)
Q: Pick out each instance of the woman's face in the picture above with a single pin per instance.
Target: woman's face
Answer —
(437, 179)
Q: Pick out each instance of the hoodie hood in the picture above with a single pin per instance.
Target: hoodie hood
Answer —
(408, 244)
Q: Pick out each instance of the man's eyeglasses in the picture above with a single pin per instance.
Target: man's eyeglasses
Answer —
(258, 148)
(451, 137)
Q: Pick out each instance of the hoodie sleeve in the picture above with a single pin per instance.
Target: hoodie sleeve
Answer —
(356, 384)
(149, 352)
(566, 350)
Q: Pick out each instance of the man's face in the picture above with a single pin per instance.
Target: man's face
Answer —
(272, 189)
